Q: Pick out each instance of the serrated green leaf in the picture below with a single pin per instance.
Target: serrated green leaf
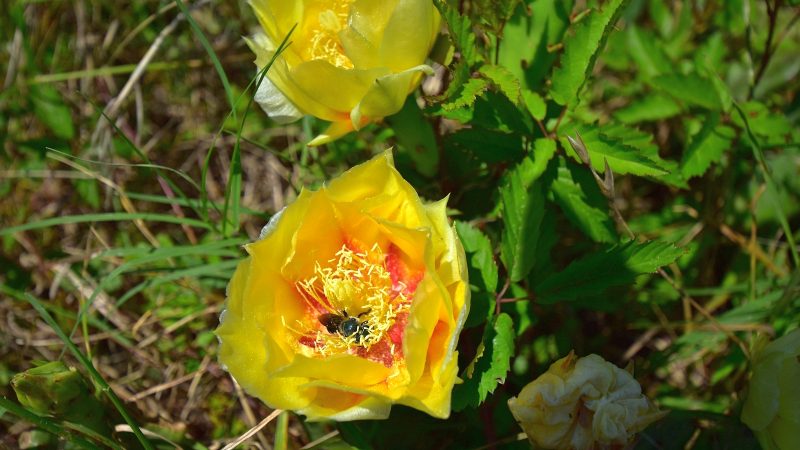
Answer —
(527, 37)
(577, 194)
(470, 91)
(535, 104)
(692, 89)
(490, 366)
(543, 151)
(706, 147)
(522, 200)
(655, 106)
(460, 75)
(623, 157)
(461, 33)
(494, 111)
(481, 253)
(482, 273)
(616, 266)
(581, 50)
(504, 80)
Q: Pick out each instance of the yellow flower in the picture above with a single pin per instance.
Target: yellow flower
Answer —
(351, 300)
(350, 62)
(583, 403)
(772, 407)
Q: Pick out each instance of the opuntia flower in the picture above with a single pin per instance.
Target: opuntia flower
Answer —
(350, 62)
(351, 301)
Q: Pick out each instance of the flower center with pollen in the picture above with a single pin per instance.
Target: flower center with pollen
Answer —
(357, 303)
(321, 32)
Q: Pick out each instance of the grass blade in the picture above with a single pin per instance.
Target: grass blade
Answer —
(103, 217)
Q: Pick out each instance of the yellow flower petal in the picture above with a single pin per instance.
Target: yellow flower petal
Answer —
(349, 59)
(362, 251)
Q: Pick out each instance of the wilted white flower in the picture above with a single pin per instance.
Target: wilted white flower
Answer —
(583, 403)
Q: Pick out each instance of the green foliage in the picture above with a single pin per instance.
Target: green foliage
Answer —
(691, 89)
(706, 147)
(490, 366)
(581, 50)
(617, 149)
(618, 265)
(461, 32)
(577, 195)
(522, 200)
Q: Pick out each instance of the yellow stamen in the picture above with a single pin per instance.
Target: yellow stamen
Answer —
(319, 36)
(359, 285)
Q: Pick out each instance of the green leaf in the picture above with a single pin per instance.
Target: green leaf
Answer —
(51, 110)
(577, 194)
(461, 33)
(490, 366)
(535, 104)
(504, 80)
(619, 265)
(653, 107)
(543, 151)
(522, 200)
(496, 112)
(622, 156)
(581, 50)
(481, 253)
(482, 273)
(470, 90)
(528, 36)
(706, 147)
(692, 89)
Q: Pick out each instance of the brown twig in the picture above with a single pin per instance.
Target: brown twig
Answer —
(772, 12)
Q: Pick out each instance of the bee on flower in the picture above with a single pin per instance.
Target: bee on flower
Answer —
(351, 301)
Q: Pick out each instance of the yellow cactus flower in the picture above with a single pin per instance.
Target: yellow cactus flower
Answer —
(351, 300)
(772, 407)
(350, 62)
(583, 403)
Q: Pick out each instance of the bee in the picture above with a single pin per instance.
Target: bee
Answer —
(346, 325)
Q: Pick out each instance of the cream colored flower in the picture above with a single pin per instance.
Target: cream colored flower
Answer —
(583, 403)
(772, 408)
